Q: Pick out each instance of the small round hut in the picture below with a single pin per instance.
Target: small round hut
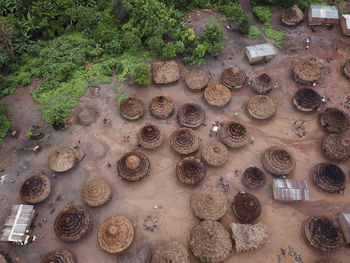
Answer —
(234, 134)
(254, 177)
(263, 83)
(58, 256)
(306, 72)
(172, 252)
(233, 78)
(278, 161)
(335, 120)
(190, 170)
(215, 154)
(162, 107)
(184, 141)
(62, 160)
(35, 189)
(96, 192)
(246, 207)
(336, 147)
(133, 166)
(307, 100)
(150, 137)
(196, 79)
(261, 107)
(217, 95)
(132, 109)
(292, 16)
(329, 177)
(191, 115)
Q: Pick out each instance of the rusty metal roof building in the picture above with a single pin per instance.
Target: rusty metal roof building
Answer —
(347, 20)
(17, 223)
(290, 190)
(324, 11)
(344, 220)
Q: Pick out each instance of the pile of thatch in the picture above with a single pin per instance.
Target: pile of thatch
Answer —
(215, 154)
(209, 203)
(278, 161)
(132, 109)
(133, 166)
(96, 192)
(306, 72)
(234, 134)
(336, 147)
(165, 72)
(292, 16)
(115, 234)
(210, 242)
(253, 177)
(335, 120)
(307, 100)
(261, 107)
(263, 83)
(172, 252)
(217, 95)
(322, 233)
(162, 107)
(346, 68)
(329, 177)
(190, 170)
(62, 160)
(233, 78)
(58, 256)
(150, 137)
(72, 223)
(190, 115)
(248, 237)
(196, 79)
(184, 141)
(246, 207)
(35, 189)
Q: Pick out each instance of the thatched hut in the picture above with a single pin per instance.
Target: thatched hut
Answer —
(190, 170)
(217, 95)
(263, 83)
(246, 207)
(329, 177)
(62, 160)
(191, 115)
(307, 100)
(184, 141)
(345, 24)
(261, 107)
(233, 78)
(215, 154)
(96, 192)
(292, 16)
(59, 256)
(234, 134)
(306, 72)
(260, 53)
(150, 137)
(132, 109)
(173, 252)
(335, 120)
(322, 15)
(196, 79)
(133, 166)
(165, 72)
(253, 177)
(162, 107)
(35, 189)
(278, 161)
(336, 147)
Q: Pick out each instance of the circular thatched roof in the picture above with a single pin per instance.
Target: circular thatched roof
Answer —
(246, 207)
(215, 153)
(329, 177)
(196, 79)
(234, 134)
(162, 107)
(322, 233)
(172, 252)
(62, 159)
(35, 189)
(346, 68)
(133, 166)
(72, 223)
(335, 120)
(217, 95)
(58, 256)
(210, 242)
(150, 137)
(263, 83)
(233, 78)
(292, 16)
(96, 192)
(132, 109)
(278, 161)
(184, 141)
(336, 147)
(261, 107)
(307, 100)
(2, 259)
(190, 170)
(307, 72)
(209, 203)
(190, 115)
(115, 234)
(164, 72)
(253, 177)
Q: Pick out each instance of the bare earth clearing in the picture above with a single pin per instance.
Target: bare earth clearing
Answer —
(175, 219)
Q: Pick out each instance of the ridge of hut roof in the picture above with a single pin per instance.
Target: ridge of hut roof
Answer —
(324, 11)
(347, 20)
(261, 50)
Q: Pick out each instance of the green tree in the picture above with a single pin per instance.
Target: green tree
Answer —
(233, 12)
(131, 41)
(141, 74)
(263, 14)
(169, 50)
(179, 47)
(245, 23)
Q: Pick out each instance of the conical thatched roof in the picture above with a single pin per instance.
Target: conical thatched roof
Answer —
(132, 109)
(261, 107)
(96, 192)
(278, 161)
(162, 107)
(322, 233)
(196, 79)
(58, 256)
(307, 72)
(35, 189)
(210, 242)
(335, 120)
(191, 115)
(133, 166)
(329, 177)
(246, 207)
(150, 137)
(172, 252)
(307, 100)
(292, 16)
(217, 95)
(253, 177)
(165, 72)
(184, 141)
(346, 68)
(115, 234)
(190, 170)
(263, 83)
(215, 154)
(62, 160)
(336, 147)
(209, 203)
(72, 223)
(233, 78)
(234, 134)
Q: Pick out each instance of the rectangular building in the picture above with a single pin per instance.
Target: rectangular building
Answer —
(290, 190)
(345, 24)
(260, 53)
(323, 15)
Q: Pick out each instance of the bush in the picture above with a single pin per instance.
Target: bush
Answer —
(169, 50)
(263, 14)
(131, 41)
(5, 124)
(253, 33)
(141, 74)
(233, 12)
(245, 23)
(155, 44)
(179, 47)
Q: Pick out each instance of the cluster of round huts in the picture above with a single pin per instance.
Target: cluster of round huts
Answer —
(209, 241)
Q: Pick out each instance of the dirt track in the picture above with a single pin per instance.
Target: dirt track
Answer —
(175, 219)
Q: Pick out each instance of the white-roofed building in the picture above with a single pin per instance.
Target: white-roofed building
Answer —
(260, 53)
(290, 190)
(345, 24)
(323, 15)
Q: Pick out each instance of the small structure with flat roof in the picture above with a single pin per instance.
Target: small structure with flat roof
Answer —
(344, 220)
(322, 15)
(260, 53)
(290, 190)
(345, 24)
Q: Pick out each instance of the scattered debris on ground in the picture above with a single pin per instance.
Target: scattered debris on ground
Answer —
(291, 253)
(298, 128)
(223, 185)
(150, 224)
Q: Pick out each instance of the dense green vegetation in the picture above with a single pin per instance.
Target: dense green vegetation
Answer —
(263, 14)
(4, 123)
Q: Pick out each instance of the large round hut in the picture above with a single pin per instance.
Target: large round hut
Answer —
(254, 177)
(217, 95)
(335, 120)
(246, 207)
(172, 252)
(62, 160)
(278, 161)
(132, 109)
(96, 192)
(261, 107)
(162, 107)
(233, 78)
(35, 189)
(190, 170)
(329, 177)
(215, 154)
(292, 16)
(164, 72)
(196, 79)
(263, 83)
(191, 115)
(184, 141)
(306, 72)
(234, 134)
(150, 137)
(307, 100)
(133, 166)
(336, 147)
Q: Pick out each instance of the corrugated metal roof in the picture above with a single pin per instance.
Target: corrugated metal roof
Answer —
(324, 11)
(261, 50)
(294, 190)
(17, 223)
(347, 20)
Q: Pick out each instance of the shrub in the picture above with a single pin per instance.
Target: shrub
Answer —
(169, 50)
(263, 14)
(179, 47)
(253, 33)
(141, 73)
(245, 23)
(155, 44)
(233, 12)
(130, 40)
(4, 123)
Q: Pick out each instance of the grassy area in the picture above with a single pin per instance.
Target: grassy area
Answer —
(274, 35)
